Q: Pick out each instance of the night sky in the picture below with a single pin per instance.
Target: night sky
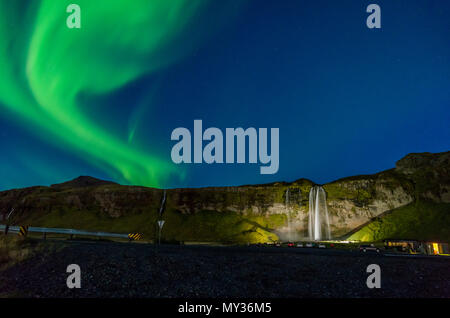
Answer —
(103, 100)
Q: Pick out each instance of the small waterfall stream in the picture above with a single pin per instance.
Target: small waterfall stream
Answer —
(318, 223)
(288, 213)
(163, 204)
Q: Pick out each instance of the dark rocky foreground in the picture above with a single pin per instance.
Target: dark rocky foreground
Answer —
(141, 270)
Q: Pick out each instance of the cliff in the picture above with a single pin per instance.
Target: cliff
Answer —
(254, 213)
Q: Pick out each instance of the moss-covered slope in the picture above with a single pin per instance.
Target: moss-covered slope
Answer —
(424, 220)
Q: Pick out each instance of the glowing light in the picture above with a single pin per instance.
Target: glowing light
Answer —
(435, 248)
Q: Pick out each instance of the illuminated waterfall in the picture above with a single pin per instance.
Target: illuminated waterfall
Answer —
(318, 223)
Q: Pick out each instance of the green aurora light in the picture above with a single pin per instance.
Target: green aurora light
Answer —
(45, 66)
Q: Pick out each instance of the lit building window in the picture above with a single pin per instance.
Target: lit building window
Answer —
(435, 248)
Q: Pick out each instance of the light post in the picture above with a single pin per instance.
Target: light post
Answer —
(7, 223)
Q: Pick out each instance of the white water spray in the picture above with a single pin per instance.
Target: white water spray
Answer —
(318, 215)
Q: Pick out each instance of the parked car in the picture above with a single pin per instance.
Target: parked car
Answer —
(322, 246)
(299, 244)
(290, 244)
(309, 245)
(368, 248)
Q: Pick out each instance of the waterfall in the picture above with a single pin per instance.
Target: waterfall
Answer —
(288, 213)
(318, 215)
(163, 204)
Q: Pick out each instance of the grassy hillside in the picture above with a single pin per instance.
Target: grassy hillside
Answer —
(202, 226)
(421, 220)
(209, 214)
(221, 227)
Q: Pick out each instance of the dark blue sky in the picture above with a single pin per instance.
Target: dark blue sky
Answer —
(348, 100)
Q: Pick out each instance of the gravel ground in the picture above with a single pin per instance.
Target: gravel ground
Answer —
(141, 270)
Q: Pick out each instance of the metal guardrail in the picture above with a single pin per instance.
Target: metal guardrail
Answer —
(16, 229)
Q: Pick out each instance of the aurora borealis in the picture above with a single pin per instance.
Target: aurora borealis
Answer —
(46, 66)
(104, 99)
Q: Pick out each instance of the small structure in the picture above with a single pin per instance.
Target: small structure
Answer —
(436, 248)
(402, 245)
(413, 246)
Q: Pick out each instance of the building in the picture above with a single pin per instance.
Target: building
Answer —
(435, 248)
(413, 246)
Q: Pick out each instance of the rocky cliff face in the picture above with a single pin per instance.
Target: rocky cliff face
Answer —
(430, 173)
(351, 201)
(257, 212)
